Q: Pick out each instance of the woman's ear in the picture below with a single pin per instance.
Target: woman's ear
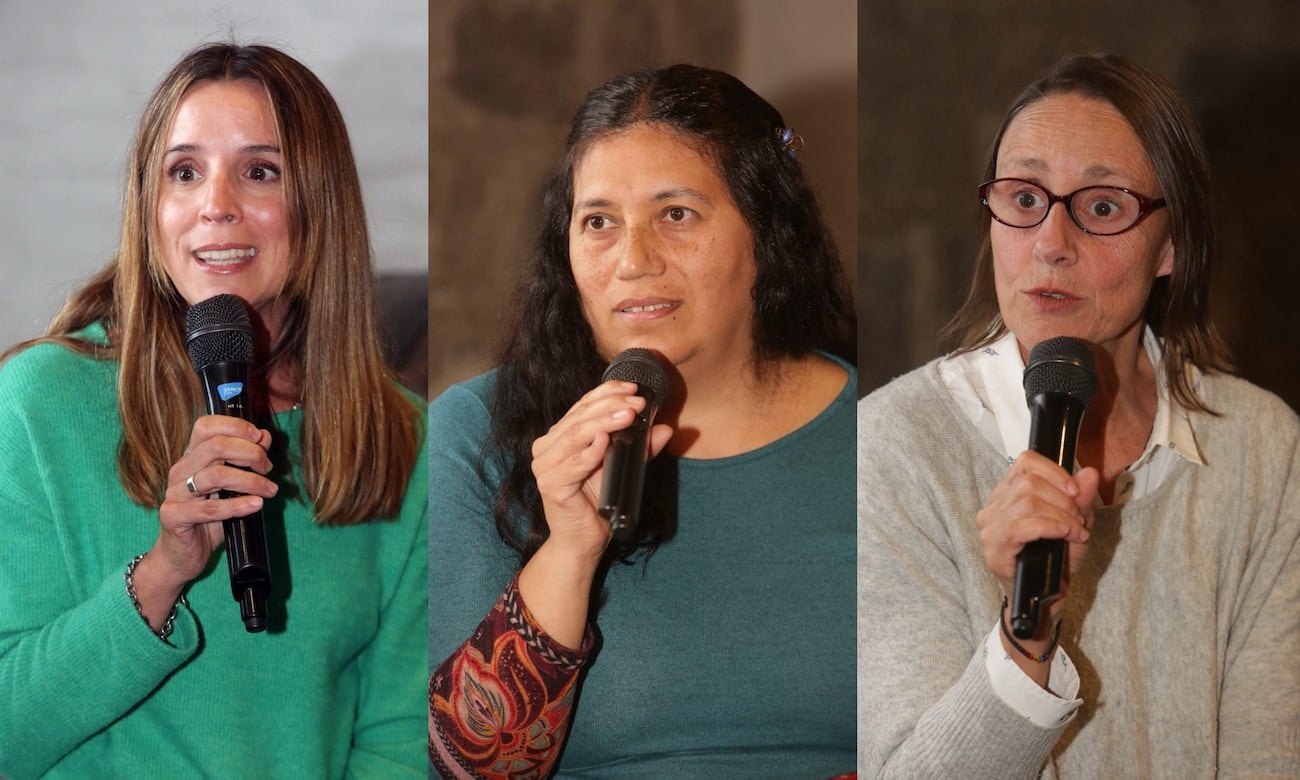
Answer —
(1167, 255)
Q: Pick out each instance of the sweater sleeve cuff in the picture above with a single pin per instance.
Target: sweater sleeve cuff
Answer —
(1045, 708)
(521, 620)
(500, 705)
(184, 638)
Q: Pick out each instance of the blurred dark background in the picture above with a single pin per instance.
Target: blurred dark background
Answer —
(935, 79)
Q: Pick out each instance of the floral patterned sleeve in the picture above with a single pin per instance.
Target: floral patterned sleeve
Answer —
(499, 707)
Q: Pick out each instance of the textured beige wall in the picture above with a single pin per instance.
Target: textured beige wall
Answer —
(936, 77)
(505, 79)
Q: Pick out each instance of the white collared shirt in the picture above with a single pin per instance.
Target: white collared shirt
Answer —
(987, 385)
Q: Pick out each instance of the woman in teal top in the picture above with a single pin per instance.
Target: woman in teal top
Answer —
(121, 651)
(678, 221)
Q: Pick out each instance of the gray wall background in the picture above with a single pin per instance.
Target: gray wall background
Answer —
(75, 75)
(506, 78)
(936, 78)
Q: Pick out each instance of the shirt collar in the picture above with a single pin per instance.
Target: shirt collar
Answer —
(988, 386)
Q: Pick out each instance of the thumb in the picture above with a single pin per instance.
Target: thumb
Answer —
(659, 437)
(1088, 479)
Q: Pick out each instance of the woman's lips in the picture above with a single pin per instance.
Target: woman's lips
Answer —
(646, 309)
(224, 256)
(1050, 299)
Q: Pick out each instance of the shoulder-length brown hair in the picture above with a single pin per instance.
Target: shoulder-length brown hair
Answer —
(360, 434)
(1178, 307)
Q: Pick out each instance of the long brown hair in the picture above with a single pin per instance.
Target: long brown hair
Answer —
(1178, 307)
(360, 434)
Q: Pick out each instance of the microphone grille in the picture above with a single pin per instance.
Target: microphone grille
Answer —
(640, 366)
(218, 331)
(1060, 365)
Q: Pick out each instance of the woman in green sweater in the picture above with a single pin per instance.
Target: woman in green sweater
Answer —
(121, 651)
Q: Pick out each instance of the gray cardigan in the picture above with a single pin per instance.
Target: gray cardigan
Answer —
(1184, 622)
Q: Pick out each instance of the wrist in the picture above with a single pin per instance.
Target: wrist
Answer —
(147, 607)
(1037, 649)
(153, 593)
(555, 586)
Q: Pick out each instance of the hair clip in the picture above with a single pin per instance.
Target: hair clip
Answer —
(790, 141)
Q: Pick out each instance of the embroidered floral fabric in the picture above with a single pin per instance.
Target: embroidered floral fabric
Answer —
(500, 706)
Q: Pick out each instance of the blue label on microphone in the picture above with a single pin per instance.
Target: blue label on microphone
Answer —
(230, 390)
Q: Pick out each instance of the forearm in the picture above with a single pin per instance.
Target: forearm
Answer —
(556, 586)
(967, 732)
(927, 706)
(78, 673)
(504, 699)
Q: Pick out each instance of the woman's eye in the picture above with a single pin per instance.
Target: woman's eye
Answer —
(596, 222)
(677, 213)
(1028, 199)
(264, 172)
(1103, 208)
(183, 173)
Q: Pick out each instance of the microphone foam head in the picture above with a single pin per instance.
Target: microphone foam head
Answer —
(640, 366)
(218, 331)
(1060, 365)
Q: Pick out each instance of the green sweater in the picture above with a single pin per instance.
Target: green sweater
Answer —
(730, 652)
(87, 690)
(1183, 621)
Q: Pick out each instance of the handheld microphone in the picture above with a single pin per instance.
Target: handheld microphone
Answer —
(1059, 382)
(219, 339)
(620, 495)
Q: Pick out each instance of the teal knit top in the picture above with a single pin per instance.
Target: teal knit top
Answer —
(730, 653)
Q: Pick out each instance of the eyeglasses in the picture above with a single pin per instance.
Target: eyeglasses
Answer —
(1098, 210)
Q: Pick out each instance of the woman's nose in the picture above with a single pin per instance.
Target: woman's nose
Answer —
(640, 255)
(1054, 241)
(221, 201)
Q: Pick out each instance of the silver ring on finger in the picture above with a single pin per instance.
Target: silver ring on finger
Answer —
(190, 486)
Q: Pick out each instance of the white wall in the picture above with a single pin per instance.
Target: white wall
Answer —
(74, 76)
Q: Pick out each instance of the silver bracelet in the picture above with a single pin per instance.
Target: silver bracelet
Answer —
(166, 629)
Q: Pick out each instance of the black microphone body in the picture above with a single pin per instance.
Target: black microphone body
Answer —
(1059, 383)
(220, 343)
(620, 495)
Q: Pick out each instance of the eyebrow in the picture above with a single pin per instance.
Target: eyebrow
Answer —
(680, 192)
(1093, 172)
(658, 197)
(251, 149)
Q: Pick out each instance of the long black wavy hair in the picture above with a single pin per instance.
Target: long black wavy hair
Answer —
(802, 300)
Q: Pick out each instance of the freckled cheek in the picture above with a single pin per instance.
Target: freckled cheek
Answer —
(586, 269)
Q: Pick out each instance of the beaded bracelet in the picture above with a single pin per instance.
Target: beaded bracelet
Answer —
(1038, 659)
(166, 629)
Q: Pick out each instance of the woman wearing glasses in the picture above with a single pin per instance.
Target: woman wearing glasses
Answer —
(1171, 648)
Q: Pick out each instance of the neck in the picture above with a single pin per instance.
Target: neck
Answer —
(731, 412)
(1118, 422)
(280, 378)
